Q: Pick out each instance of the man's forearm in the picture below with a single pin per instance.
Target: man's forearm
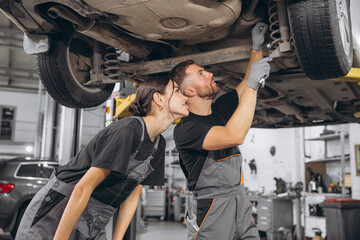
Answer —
(240, 122)
(255, 56)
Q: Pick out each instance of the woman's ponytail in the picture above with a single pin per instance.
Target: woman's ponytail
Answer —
(136, 109)
(141, 106)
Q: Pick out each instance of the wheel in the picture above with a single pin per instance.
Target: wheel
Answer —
(322, 34)
(66, 67)
(18, 220)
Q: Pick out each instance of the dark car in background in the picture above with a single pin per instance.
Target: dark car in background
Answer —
(20, 179)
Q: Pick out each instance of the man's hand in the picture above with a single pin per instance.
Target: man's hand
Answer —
(258, 35)
(259, 70)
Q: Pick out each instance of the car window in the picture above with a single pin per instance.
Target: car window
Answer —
(27, 170)
(38, 170)
(45, 170)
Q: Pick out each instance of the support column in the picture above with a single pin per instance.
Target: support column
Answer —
(40, 122)
(70, 131)
(342, 156)
(49, 132)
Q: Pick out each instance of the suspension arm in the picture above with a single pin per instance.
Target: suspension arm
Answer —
(225, 55)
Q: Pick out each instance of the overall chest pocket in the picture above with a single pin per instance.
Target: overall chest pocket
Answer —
(231, 170)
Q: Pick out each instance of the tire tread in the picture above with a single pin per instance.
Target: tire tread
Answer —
(317, 45)
(51, 73)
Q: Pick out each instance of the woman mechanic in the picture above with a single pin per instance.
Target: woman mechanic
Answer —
(82, 196)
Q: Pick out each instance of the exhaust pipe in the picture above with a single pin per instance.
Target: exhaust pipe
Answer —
(101, 32)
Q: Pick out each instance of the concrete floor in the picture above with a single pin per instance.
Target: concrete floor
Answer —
(162, 230)
(154, 229)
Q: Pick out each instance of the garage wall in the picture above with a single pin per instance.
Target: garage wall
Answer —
(26, 120)
(285, 164)
(26, 113)
(288, 162)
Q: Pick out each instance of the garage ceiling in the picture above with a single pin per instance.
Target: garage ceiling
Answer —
(17, 69)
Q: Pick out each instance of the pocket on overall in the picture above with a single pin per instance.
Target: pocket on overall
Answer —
(202, 210)
(50, 201)
(93, 219)
(231, 167)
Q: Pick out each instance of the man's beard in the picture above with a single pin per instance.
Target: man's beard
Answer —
(209, 94)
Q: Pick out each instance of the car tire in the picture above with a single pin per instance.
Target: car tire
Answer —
(322, 41)
(66, 67)
(18, 219)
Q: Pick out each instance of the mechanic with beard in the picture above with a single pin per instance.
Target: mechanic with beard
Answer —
(207, 142)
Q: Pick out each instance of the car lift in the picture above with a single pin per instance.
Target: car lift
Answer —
(352, 76)
(120, 106)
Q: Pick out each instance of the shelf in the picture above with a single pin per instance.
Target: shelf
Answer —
(327, 137)
(329, 159)
(317, 217)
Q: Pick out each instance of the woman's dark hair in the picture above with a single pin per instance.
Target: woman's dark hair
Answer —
(141, 106)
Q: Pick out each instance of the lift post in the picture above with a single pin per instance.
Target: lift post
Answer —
(120, 106)
(352, 76)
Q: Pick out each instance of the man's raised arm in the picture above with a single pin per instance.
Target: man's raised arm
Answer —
(258, 39)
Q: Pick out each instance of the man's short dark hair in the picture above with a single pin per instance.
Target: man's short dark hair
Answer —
(177, 74)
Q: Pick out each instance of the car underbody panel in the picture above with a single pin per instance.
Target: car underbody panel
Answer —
(295, 100)
(191, 21)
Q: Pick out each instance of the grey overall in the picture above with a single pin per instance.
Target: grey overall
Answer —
(218, 208)
(44, 212)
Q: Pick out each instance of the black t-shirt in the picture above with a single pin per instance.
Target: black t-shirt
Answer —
(111, 149)
(190, 132)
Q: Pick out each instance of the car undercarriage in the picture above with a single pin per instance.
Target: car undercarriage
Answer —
(84, 47)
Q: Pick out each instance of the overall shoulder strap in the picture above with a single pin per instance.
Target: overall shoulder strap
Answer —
(153, 151)
(142, 125)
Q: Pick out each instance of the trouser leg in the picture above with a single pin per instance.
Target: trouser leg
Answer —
(246, 227)
(30, 212)
(212, 219)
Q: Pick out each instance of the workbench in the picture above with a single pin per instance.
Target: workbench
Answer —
(271, 213)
